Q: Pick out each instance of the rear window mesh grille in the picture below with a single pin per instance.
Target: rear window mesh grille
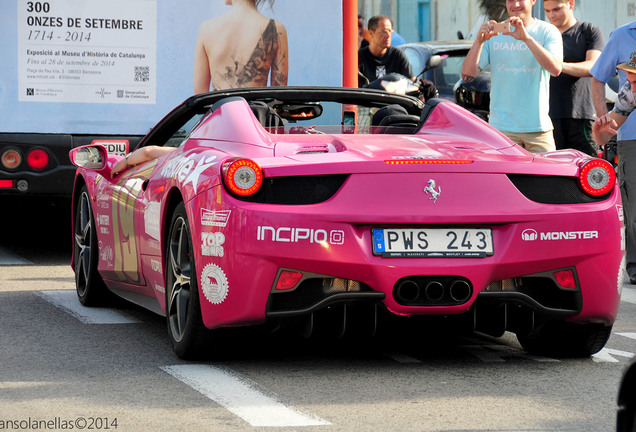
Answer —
(552, 189)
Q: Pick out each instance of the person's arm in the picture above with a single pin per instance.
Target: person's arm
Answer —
(606, 126)
(470, 67)
(548, 61)
(140, 155)
(582, 69)
(598, 97)
(201, 79)
(280, 65)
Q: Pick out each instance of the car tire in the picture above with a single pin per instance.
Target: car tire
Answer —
(190, 339)
(560, 339)
(90, 287)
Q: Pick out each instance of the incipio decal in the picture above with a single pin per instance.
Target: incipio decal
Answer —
(619, 209)
(214, 284)
(212, 244)
(215, 218)
(300, 235)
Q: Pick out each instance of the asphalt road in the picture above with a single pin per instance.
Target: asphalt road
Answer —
(113, 369)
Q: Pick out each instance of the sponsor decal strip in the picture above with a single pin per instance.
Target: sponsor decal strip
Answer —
(239, 396)
(215, 218)
(300, 235)
(531, 235)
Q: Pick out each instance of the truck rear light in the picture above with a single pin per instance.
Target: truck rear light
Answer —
(11, 159)
(242, 177)
(38, 159)
(597, 177)
(6, 184)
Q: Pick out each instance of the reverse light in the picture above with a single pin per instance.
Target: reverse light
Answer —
(288, 280)
(597, 177)
(242, 177)
(565, 278)
(38, 159)
(11, 159)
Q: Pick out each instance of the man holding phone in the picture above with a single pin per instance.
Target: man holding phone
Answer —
(521, 61)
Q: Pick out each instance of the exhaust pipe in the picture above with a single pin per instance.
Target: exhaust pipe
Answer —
(434, 291)
(407, 291)
(460, 291)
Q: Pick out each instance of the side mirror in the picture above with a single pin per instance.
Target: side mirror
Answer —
(92, 157)
(432, 62)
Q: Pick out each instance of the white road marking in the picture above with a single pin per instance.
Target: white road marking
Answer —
(606, 355)
(627, 335)
(239, 396)
(629, 295)
(68, 302)
(9, 259)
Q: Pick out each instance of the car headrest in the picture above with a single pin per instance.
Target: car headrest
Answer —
(266, 115)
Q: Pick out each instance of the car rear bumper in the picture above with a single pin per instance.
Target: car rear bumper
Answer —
(258, 245)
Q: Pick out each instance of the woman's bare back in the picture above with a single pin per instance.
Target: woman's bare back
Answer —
(242, 49)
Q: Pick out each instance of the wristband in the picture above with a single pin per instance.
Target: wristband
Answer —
(126, 159)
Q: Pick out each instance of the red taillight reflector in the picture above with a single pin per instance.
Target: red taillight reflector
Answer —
(565, 278)
(7, 184)
(242, 176)
(428, 161)
(597, 177)
(11, 159)
(288, 280)
(38, 159)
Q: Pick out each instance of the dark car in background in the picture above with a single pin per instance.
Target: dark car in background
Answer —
(474, 96)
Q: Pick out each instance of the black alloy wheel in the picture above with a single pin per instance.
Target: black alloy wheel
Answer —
(190, 339)
(89, 285)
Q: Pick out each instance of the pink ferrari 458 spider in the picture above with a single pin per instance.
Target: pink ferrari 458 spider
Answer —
(350, 208)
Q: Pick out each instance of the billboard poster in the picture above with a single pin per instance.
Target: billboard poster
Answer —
(69, 53)
(118, 66)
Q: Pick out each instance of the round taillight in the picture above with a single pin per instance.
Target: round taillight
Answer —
(38, 159)
(243, 177)
(11, 159)
(597, 177)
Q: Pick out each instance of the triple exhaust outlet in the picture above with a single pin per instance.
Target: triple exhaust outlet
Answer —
(432, 291)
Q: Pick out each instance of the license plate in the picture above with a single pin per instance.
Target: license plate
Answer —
(432, 242)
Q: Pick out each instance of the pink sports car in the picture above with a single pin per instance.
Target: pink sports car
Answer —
(350, 209)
